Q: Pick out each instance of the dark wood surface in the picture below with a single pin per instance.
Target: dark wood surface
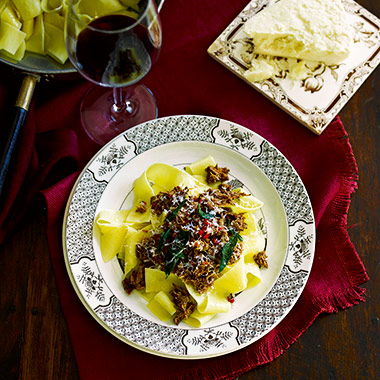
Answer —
(34, 342)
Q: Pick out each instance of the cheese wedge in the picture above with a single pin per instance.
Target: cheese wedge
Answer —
(314, 30)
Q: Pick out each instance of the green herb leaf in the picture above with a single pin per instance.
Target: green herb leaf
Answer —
(161, 242)
(228, 249)
(203, 214)
(176, 251)
(174, 213)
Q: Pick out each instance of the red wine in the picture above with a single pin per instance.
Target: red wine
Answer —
(115, 59)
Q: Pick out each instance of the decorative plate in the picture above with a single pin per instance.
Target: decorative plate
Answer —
(287, 220)
(318, 97)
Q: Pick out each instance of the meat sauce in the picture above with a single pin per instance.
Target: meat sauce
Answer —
(190, 241)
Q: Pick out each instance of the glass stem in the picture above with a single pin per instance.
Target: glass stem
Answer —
(120, 105)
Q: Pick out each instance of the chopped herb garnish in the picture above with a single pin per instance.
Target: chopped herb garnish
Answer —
(175, 252)
(161, 242)
(228, 249)
(203, 214)
(174, 213)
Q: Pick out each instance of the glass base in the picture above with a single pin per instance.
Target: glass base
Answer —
(100, 120)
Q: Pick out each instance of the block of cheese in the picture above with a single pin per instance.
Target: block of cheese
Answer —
(314, 30)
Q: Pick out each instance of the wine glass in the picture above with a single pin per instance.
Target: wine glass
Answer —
(114, 45)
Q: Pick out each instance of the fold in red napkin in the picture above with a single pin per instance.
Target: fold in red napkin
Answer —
(185, 80)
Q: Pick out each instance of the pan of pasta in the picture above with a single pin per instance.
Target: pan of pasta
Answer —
(32, 40)
(189, 237)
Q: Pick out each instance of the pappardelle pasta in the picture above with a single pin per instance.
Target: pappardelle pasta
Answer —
(37, 26)
(189, 243)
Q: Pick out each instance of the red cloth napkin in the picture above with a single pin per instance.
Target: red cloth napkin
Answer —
(185, 80)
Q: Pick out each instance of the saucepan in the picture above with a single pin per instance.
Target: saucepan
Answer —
(33, 67)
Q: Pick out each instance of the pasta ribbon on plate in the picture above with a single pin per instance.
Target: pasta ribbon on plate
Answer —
(187, 246)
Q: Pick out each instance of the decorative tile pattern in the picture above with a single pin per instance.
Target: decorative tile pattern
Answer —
(316, 98)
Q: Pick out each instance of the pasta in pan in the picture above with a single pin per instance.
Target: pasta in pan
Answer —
(38, 25)
(189, 243)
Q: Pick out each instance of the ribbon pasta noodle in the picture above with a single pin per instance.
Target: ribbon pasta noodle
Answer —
(188, 244)
(38, 26)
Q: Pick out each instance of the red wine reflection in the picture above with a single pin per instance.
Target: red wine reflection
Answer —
(115, 59)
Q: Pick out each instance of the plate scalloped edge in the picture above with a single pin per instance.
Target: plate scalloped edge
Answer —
(168, 341)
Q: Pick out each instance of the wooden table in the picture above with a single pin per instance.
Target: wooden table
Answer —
(34, 342)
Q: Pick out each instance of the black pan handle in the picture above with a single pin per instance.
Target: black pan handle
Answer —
(22, 105)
